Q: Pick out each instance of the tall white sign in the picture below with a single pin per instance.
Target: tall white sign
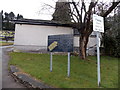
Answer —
(98, 23)
(98, 26)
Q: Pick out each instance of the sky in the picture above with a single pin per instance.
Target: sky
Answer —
(30, 9)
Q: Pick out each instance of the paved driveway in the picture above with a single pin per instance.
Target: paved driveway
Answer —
(7, 80)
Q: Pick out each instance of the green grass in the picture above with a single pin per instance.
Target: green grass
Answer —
(83, 73)
(5, 43)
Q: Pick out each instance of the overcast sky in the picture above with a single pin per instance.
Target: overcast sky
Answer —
(30, 9)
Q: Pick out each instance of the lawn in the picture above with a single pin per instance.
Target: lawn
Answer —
(5, 43)
(83, 73)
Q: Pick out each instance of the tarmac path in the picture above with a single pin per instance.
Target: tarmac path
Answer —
(7, 79)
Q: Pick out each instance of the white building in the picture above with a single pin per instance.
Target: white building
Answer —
(32, 35)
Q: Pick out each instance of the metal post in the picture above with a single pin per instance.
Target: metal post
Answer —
(87, 51)
(68, 64)
(50, 61)
(98, 58)
(1, 68)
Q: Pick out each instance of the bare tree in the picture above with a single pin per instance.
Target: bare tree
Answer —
(83, 21)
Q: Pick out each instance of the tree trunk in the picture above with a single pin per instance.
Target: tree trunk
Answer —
(83, 41)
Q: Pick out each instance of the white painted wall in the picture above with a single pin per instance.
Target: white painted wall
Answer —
(37, 34)
(76, 41)
(92, 41)
(35, 37)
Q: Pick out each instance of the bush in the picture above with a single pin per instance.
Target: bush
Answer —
(117, 52)
(112, 45)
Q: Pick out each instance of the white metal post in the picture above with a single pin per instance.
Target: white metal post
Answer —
(98, 58)
(87, 51)
(0, 68)
(50, 61)
(68, 64)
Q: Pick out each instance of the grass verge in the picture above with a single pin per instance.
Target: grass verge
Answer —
(83, 73)
(5, 43)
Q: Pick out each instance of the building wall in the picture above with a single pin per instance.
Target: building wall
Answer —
(91, 47)
(76, 41)
(37, 35)
(92, 41)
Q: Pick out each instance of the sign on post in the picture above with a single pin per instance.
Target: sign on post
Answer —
(60, 43)
(98, 23)
(98, 26)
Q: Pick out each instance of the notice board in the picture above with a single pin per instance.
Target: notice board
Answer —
(60, 43)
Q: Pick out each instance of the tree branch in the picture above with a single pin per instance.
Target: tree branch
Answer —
(84, 7)
(80, 17)
(74, 15)
(111, 8)
(88, 15)
(45, 4)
